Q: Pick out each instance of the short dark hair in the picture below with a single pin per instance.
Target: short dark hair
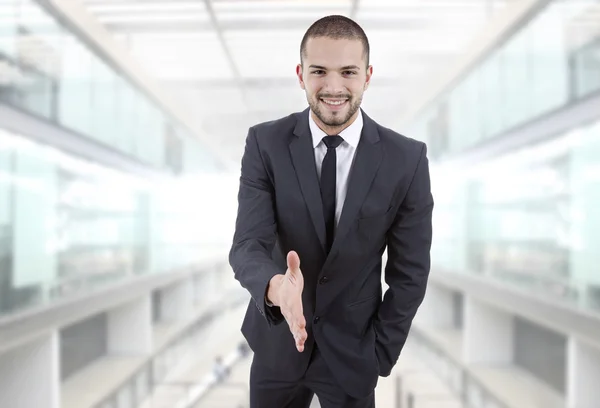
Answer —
(336, 27)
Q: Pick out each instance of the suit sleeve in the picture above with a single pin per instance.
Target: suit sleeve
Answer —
(255, 231)
(407, 267)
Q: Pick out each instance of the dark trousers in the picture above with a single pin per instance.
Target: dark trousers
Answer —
(267, 390)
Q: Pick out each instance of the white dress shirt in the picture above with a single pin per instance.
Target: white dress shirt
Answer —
(344, 156)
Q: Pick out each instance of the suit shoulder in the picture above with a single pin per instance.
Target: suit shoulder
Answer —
(275, 127)
(396, 140)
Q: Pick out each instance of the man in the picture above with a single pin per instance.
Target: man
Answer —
(322, 194)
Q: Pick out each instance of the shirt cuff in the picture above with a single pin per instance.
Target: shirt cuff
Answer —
(267, 302)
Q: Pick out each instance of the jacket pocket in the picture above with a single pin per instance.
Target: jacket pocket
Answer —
(360, 313)
(361, 301)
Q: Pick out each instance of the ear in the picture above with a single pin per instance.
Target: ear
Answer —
(369, 75)
(299, 75)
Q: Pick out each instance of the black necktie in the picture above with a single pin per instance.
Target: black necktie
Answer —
(328, 180)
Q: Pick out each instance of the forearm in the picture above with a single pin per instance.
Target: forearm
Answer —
(253, 268)
(407, 268)
(397, 311)
(255, 230)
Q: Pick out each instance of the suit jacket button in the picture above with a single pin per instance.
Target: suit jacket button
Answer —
(324, 280)
(316, 319)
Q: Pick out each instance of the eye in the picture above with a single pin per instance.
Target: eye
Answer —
(318, 72)
(349, 72)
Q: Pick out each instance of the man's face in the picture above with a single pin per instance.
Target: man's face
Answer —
(334, 75)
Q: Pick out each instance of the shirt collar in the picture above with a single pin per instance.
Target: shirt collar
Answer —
(351, 134)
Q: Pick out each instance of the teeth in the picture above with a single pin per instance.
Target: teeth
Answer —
(333, 102)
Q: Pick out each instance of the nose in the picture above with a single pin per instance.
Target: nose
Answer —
(334, 84)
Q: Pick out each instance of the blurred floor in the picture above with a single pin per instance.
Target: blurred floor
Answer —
(196, 368)
(223, 337)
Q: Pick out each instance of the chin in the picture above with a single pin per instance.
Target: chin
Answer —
(336, 119)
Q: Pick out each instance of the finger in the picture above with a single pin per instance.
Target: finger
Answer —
(300, 343)
(297, 314)
(299, 327)
(301, 337)
(293, 262)
(301, 321)
(296, 321)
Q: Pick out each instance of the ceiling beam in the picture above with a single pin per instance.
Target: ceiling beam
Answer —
(226, 50)
(300, 25)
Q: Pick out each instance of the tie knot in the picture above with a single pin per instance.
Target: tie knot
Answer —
(332, 141)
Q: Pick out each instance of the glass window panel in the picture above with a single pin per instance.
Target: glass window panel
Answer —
(39, 39)
(156, 148)
(128, 118)
(553, 58)
(586, 63)
(36, 93)
(146, 134)
(8, 27)
(472, 107)
(6, 221)
(528, 218)
(103, 106)
(491, 96)
(75, 93)
(34, 239)
(459, 117)
(66, 225)
(549, 61)
(584, 171)
(516, 75)
(11, 77)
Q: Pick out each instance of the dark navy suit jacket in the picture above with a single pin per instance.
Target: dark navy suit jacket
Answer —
(388, 204)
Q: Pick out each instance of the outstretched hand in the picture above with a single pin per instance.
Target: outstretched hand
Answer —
(285, 291)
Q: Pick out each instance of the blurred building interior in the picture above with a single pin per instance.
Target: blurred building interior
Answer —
(117, 116)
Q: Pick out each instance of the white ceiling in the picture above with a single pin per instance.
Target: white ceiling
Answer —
(234, 60)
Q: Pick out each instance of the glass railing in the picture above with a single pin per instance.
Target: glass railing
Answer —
(152, 386)
(528, 219)
(471, 392)
(68, 225)
(137, 389)
(550, 62)
(46, 69)
(586, 67)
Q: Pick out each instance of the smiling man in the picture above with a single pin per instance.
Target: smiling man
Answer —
(323, 193)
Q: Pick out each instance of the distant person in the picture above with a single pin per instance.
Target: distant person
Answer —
(322, 193)
(243, 349)
(220, 370)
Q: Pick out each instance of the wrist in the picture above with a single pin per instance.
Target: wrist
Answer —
(272, 289)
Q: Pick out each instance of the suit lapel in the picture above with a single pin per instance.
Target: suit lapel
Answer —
(303, 159)
(366, 163)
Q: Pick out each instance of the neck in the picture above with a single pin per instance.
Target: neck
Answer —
(334, 130)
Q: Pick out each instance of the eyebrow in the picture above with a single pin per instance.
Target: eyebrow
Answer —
(343, 68)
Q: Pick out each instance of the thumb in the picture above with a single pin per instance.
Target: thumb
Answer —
(293, 262)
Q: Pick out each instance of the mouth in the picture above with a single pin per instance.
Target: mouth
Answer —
(334, 103)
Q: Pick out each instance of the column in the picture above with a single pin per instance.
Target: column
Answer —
(488, 333)
(581, 221)
(583, 374)
(29, 375)
(130, 328)
(437, 309)
(211, 290)
(177, 301)
(34, 221)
